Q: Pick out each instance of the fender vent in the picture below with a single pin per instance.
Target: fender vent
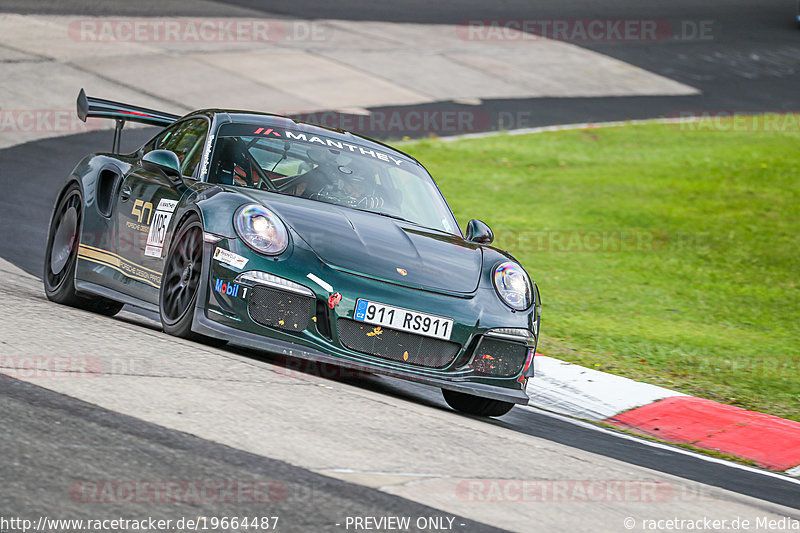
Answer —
(107, 184)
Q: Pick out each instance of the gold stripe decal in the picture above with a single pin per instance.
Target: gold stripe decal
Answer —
(120, 264)
(119, 256)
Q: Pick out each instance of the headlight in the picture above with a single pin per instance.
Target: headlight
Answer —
(261, 229)
(513, 285)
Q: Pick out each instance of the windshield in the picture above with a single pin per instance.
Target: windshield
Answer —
(328, 170)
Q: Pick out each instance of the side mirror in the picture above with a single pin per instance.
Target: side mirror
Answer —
(479, 232)
(163, 162)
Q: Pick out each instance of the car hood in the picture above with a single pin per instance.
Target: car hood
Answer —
(381, 247)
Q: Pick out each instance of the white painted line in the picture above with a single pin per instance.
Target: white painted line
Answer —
(376, 473)
(325, 285)
(662, 446)
(581, 392)
(353, 111)
(564, 127)
(468, 101)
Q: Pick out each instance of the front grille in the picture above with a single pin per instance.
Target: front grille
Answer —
(396, 345)
(280, 309)
(499, 358)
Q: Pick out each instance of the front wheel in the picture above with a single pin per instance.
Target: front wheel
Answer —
(61, 257)
(475, 405)
(181, 282)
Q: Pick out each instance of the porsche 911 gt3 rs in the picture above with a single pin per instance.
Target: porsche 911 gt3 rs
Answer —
(315, 243)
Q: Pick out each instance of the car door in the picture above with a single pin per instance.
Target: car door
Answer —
(146, 203)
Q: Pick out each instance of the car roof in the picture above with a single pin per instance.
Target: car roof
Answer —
(256, 118)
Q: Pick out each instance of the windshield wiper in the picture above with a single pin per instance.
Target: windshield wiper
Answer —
(388, 216)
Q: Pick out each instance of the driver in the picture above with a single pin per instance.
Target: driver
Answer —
(355, 189)
(316, 179)
(345, 184)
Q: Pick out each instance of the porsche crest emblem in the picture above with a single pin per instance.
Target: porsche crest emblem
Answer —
(402, 271)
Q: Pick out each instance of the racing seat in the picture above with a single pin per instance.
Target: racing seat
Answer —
(231, 164)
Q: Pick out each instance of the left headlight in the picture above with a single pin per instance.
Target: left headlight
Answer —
(261, 229)
(513, 285)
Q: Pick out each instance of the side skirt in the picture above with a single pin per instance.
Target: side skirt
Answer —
(111, 294)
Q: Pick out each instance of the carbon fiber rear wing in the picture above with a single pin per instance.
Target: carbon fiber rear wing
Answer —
(96, 107)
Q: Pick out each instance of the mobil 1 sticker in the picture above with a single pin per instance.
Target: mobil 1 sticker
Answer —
(158, 229)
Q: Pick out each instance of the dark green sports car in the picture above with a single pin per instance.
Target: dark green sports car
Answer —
(297, 239)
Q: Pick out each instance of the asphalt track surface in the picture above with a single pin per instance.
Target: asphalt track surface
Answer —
(752, 64)
(66, 441)
(748, 61)
(46, 163)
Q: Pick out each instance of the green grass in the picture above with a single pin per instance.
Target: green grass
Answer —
(700, 292)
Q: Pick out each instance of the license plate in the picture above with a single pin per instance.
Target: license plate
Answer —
(392, 317)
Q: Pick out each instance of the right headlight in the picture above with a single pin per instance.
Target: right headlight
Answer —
(512, 285)
(261, 229)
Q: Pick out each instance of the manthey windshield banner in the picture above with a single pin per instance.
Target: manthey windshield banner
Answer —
(275, 133)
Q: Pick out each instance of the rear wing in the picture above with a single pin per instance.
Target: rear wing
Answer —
(96, 107)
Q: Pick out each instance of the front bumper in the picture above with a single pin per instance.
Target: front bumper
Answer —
(228, 318)
(205, 326)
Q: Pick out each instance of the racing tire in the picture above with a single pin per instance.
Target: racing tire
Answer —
(475, 405)
(61, 257)
(180, 282)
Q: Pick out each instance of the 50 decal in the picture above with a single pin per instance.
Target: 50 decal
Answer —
(140, 207)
